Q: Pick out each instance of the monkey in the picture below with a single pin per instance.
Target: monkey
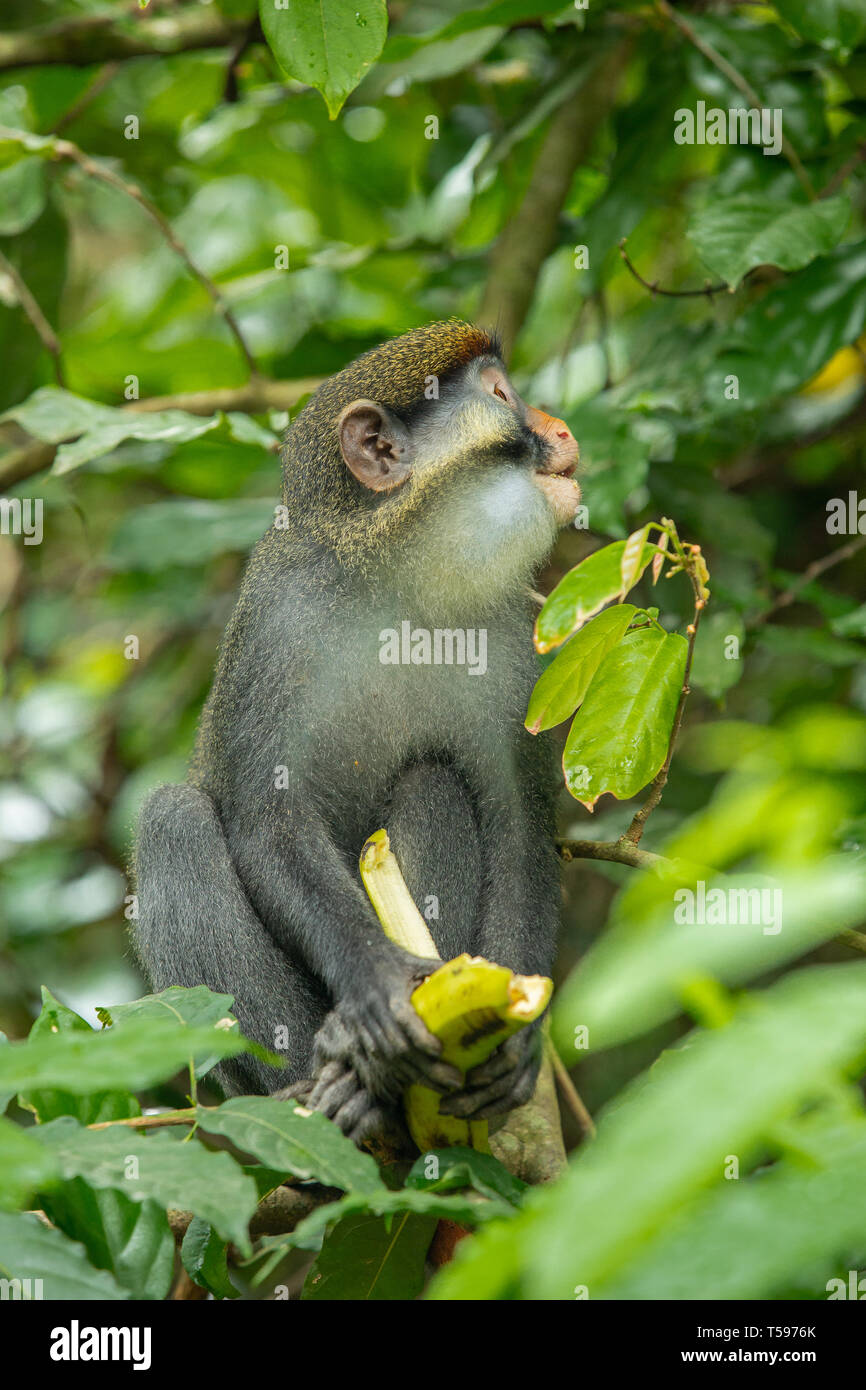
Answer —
(420, 495)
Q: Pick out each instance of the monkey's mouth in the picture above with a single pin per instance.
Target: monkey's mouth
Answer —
(561, 490)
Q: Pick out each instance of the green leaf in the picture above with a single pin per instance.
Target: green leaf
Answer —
(131, 1239)
(733, 235)
(785, 338)
(562, 687)
(465, 1208)
(198, 1007)
(620, 735)
(285, 1137)
(24, 1165)
(55, 1021)
(669, 1134)
(328, 45)
(55, 416)
(204, 1258)
(582, 592)
(142, 1166)
(748, 1238)
(632, 978)
(834, 24)
(139, 1055)
(367, 1257)
(31, 1250)
(459, 1167)
(187, 531)
(502, 13)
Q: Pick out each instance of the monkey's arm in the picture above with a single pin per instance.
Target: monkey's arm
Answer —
(314, 909)
(520, 918)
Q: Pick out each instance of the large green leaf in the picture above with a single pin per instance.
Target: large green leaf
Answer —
(620, 735)
(158, 1166)
(670, 1134)
(635, 976)
(136, 1056)
(368, 1257)
(748, 1238)
(198, 1007)
(54, 415)
(204, 1258)
(24, 1165)
(56, 1021)
(794, 329)
(31, 1250)
(562, 687)
(285, 1137)
(582, 592)
(834, 24)
(732, 235)
(131, 1239)
(328, 45)
(188, 531)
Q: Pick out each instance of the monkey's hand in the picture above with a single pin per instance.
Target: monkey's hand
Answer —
(502, 1083)
(376, 1031)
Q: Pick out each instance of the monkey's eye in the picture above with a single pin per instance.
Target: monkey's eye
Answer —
(497, 391)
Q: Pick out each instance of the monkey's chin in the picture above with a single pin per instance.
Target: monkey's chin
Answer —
(563, 495)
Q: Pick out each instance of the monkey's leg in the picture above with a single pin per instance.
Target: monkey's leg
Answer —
(197, 927)
(434, 835)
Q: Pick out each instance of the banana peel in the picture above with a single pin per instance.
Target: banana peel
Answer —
(470, 1004)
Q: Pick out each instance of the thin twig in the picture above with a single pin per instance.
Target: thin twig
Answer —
(707, 291)
(790, 595)
(169, 1117)
(66, 149)
(739, 81)
(571, 1094)
(43, 328)
(858, 157)
(102, 79)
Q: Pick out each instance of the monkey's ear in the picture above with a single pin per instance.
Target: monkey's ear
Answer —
(375, 445)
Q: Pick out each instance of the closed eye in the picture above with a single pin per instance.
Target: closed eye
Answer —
(497, 391)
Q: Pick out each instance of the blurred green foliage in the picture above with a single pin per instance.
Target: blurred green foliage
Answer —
(740, 412)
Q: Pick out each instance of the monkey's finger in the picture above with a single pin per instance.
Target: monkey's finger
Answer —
(505, 1093)
(512, 1054)
(353, 1112)
(334, 1074)
(441, 1076)
(416, 1030)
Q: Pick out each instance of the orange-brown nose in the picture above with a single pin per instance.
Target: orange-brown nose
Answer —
(563, 447)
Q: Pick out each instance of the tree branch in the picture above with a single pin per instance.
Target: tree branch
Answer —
(530, 236)
(84, 40)
(620, 851)
(43, 328)
(255, 397)
(655, 288)
(789, 596)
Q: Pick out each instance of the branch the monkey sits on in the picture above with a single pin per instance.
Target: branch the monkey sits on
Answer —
(417, 488)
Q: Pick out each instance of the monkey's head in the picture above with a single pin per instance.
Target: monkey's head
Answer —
(422, 449)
